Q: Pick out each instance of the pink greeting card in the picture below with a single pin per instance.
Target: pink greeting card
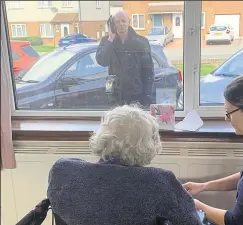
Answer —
(165, 115)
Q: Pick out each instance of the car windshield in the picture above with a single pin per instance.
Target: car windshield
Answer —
(232, 67)
(218, 28)
(156, 31)
(47, 65)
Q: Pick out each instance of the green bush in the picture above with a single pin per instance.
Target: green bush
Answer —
(33, 40)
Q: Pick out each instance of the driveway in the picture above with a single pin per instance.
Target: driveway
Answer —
(174, 51)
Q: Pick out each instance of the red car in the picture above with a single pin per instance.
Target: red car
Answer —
(24, 56)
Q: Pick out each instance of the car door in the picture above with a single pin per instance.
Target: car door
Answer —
(82, 85)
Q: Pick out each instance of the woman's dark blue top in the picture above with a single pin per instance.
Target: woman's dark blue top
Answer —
(235, 217)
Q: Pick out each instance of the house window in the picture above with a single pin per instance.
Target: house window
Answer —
(46, 30)
(203, 20)
(98, 4)
(15, 4)
(66, 3)
(44, 4)
(76, 28)
(138, 21)
(19, 30)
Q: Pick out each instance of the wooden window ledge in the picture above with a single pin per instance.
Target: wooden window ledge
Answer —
(80, 130)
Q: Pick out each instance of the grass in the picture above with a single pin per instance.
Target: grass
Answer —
(44, 48)
(205, 68)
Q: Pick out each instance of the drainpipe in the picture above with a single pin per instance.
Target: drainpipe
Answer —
(79, 15)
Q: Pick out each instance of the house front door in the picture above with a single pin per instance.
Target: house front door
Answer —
(157, 20)
(178, 25)
(64, 30)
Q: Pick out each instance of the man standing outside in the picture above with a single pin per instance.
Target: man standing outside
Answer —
(128, 56)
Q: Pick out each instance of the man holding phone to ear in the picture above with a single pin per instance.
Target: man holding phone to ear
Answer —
(128, 56)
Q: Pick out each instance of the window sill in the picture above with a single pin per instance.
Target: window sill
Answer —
(80, 130)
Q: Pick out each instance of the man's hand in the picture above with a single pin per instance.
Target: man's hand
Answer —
(198, 204)
(111, 35)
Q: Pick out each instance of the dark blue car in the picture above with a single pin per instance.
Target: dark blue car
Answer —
(75, 39)
(70, 78)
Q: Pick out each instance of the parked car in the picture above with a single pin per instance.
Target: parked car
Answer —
(23, 56)
(220, 34)
(75, 39)
(212, 86)
(70, 78)
(160, 35)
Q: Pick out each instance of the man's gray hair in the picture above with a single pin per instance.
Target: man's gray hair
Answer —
(129, 133)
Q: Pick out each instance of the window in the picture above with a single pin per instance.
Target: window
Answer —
(221, 54)
(98, 4)
(138, 22)
(203, 20)
(46, 30)
(19, 30)
(193, 67)
(44, 4)
(66, 3)
(15, 4)
(76, 28)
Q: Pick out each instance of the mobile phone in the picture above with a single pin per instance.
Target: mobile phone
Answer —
(202, 216)
(111, 24)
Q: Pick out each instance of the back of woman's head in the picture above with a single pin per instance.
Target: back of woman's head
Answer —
(129, 133)
(234, 92)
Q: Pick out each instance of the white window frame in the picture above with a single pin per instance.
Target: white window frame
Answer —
(44, 25)
(204, 20)
(44, 4)
(67, 4)
(138, 28)
(14, 5)
(15, 25)
(192, 61)
(98, 4)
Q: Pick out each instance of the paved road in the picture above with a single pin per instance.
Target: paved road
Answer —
(211, 52)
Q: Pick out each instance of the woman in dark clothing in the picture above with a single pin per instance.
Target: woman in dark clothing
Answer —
(234, 113)
(119, 189)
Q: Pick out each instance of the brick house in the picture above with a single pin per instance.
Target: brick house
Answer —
(52, 20)
(147, 14)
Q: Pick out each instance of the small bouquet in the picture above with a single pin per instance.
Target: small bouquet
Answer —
(165, 115)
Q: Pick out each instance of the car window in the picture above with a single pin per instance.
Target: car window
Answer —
(218, 28)
(156, 31)
(232, 67)
(156, 64)
(86, 66)
(30, 51)
(15, 56)
(48, 64)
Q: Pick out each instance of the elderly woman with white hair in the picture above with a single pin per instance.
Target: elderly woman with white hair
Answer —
(119, 189)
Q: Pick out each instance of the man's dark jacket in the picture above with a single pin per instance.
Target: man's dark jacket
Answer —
(132, 63)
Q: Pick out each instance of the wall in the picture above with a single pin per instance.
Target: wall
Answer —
(91, 28)
(209, 7)
(221, 7)
(94, 14)
(30, 12)
(24, 187)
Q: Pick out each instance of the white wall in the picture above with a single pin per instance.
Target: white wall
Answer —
(89, 12)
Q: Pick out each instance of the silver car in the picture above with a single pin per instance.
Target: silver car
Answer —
(212, 86)
(160, 35)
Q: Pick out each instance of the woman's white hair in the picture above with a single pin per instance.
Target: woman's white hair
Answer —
(129, 133)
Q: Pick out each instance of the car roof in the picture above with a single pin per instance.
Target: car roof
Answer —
(20, 43)
(83, 47)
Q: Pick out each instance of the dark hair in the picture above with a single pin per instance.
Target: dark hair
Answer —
(234, 92)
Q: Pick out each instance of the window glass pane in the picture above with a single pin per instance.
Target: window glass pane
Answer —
(75, 68)
(30, 51)
(221, 50)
